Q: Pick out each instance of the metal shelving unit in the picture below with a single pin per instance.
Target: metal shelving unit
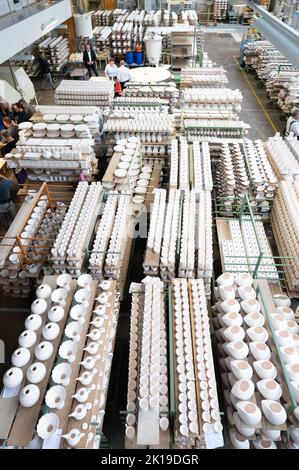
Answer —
(185, 47)
(245, 213)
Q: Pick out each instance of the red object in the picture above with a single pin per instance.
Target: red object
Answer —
(117, 88)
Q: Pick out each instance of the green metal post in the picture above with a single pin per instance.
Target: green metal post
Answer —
(257, 265)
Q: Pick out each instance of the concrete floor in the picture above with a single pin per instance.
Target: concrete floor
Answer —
(223, 48)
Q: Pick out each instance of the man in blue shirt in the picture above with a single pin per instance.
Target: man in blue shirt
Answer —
(7, 207)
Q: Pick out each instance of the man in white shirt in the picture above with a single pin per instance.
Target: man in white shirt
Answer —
(111, 70)
(123, 74)
(292, 121)
(294, 127)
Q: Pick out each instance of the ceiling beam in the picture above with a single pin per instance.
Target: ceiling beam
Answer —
(280, 34)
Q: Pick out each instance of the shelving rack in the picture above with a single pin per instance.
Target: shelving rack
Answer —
(245, 212)
(216, 129)
(184, 48)
(56, 51)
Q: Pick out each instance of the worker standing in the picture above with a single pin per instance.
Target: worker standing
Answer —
(291, 120)
(111, 69)
(123, 74)
(46, 71)
(90, 60)
(294, 125)
(117, 88)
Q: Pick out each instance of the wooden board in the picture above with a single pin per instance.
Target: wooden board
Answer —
(195, 353)
(24, 425)
(151, 258)
(175, 384)
(8, 408)
(125, 266)
(97, 378)
(137, 301)
(109, 176)
(224, 233)
(164, 437)
(275, 288)
(94, 428)
(154, 183)
(70, 388)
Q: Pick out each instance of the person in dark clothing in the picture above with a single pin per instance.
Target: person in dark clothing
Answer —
(46, 71)
(9, 141)
(4, 111)
(14, 112)
(7, 207)
(90, 60)
(20, 115)
(11, 126)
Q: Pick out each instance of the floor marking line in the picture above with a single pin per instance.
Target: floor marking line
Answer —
(256, 97)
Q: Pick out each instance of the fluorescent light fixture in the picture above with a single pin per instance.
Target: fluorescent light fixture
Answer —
(49, 25)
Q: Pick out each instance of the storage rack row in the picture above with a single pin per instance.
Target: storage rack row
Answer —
(241, 263)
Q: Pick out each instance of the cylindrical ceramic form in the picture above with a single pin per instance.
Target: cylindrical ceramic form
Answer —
(29, 395)
(249, 413)
(27, 338)
(274, 412)
(13, 377)
(36, 372)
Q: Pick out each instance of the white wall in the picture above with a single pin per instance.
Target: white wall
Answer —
(21, 35)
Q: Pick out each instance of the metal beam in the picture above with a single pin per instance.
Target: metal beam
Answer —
(280, 34)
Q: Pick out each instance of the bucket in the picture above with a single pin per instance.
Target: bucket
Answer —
(138, 57)
(129, 57)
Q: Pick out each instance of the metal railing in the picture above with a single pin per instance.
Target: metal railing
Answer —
(13, 15)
